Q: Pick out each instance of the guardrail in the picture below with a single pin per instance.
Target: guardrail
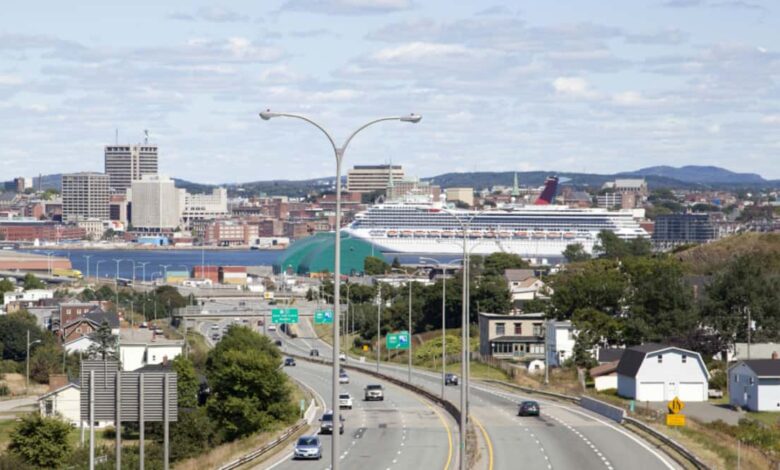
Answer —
(267, 447)
(680, 449)
(668, 441)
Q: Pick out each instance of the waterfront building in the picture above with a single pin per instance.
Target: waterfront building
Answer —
(156, 204)
(127, 163)
(371, 178)
(85, 196)
(678, 229)
(206, 206)
(25, 229)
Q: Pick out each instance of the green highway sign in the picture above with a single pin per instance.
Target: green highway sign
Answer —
(323, 317)
(398, 340)
(284, 315)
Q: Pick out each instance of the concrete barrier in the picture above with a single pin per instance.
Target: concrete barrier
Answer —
(615, 413)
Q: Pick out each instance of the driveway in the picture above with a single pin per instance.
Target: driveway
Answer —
(9, 408)
(705, 412)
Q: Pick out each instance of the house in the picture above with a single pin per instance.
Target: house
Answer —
(754, 384)
(657, 372)
(62, 400)
(75, 334)
(757, 351)
(605, 355)
(142, 347)
(561, 337)
(511, 336)
(605, 376)
(523, 285)
(28, 297)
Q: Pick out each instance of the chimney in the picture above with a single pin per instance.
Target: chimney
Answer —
(775, 356)
(57, 381)
(165, 361)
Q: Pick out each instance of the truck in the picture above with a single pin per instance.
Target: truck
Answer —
(70, 273)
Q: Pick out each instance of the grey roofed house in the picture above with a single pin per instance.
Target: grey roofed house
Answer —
(518, 275)
(99, 316)
(604, 355)
(764, 368)
(632, 358)
(757, 350)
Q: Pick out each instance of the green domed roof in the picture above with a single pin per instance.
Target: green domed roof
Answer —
(316, 254)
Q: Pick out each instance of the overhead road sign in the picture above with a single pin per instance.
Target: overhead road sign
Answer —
(398, 340)
(323, 317)
(284, 315)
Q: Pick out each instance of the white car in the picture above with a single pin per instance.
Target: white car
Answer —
(343, 378)
(345, 400)
(271, 327)
(342, 357)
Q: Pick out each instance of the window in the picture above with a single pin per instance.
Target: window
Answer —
(752, 382)
(684, 358)
(538, 329)
(518, 329)
(500, 329)
(49, 407)
(660, 358)
(537, 349)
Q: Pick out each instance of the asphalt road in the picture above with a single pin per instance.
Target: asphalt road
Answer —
(401, 432)
(563, 437)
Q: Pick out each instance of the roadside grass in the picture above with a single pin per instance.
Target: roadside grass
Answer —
(6, 426)
(766, 417)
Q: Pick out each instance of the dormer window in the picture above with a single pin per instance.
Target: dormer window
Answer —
(660, 358)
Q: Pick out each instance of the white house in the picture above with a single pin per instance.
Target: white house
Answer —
(605, 376)
(755, 384)
(64, 402)
(561, 337)
(142, 347)
(656, 372)
(32, 295)
(77, 345)
(523, 285)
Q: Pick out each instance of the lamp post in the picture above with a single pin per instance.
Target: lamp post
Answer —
(409, 354)
(27, 377)
(88, 257)
(143, 270)
(97, 269)
(48, 261)
(339, 154)
(443, 320)
(116, 283)
(378, 329)
(165, 272)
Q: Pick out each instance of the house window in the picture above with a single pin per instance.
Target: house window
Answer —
(684, 358)
(518, 329)
(538, 331)
(752, 381)
(49, 407)
(736, 378)
(500, 329)
(660, 358)
(537, 349)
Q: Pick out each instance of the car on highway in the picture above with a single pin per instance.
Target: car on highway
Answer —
(451, 379)
(342, 357)
(345, 400)
(343, 378)
(528, 408)
(290, 361)
(326, 423)
(215, 337)
(308, 447)
(271, 327)
(374, 392)
(278, 342)
(314, 353)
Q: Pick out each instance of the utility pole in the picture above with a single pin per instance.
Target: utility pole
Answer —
(749, 328)
(547, 354)
(378, 330)
(410, 331)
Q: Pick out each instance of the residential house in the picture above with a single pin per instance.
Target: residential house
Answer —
(605, 376)
(757, 351)
(511, 336)
(657, 372)
(75, 334)
(605, 355)
(523, 286)
(29, 297)
(63, 402)
(561, 337)
(141, 347)
(754, 384)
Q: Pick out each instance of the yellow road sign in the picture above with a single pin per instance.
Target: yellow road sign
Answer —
(675, 406)
(365, 347)
(675, 420)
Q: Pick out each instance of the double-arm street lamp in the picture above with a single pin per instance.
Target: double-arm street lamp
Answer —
(339, 154)
(27, 376)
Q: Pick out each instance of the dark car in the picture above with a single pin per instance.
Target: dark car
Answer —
(528, 408)
(314, 353)
(278, 342)
(326, 423)
(289, 362)
(451, 379)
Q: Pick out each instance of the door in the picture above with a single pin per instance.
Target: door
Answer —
(650, 391)
(691, 391)
(671, 391)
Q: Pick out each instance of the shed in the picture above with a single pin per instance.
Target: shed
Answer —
(657, 372)
(755, 384)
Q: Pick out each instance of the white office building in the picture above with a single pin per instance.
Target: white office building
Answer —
(85, 196)
(127, 163)
(206, 206)
(156, 204)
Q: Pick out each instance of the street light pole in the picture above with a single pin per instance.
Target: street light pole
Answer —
(339, 154)
(27, 376)
(88, 257)
(97, 270)
(378, 330)
(143, 270)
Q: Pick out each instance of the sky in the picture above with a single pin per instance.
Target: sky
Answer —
(596, 86)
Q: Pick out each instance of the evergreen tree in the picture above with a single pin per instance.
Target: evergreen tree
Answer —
(104, 343)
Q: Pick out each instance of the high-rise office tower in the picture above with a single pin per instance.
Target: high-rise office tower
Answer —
(157, 204)
(85, 196)
(128, 163)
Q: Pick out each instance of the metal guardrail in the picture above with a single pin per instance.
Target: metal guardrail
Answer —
(680, 449)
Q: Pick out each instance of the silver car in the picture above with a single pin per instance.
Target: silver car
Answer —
(308, 447)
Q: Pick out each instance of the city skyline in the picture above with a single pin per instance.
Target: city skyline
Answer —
(544, 87)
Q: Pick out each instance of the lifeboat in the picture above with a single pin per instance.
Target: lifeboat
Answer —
(538, 234)
(553, 235)
(420, 233)
(406, 233)
(569, 235)
(474, 235)
(521, 234)
(505, 234)
(434, 233)
(490, 234)
(446, 234)
(392, 233)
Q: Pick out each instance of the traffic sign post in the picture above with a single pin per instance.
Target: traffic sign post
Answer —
(674, 418)
(323, 317)
(284, 315)
(398, 340)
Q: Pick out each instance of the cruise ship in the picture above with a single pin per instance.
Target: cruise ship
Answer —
(538, 232)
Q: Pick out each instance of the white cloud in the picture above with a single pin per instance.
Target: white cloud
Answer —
(575, 87)
(347, 7)
(416, 51)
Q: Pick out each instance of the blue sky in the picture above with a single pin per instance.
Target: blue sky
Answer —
(569, 85)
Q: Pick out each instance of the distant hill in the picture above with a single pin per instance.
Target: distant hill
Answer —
(482, 180)
(709, 258)
(699, 174)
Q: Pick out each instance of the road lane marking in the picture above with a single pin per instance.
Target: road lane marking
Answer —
(487, 440)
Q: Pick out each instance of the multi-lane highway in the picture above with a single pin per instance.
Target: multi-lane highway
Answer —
(563, 437)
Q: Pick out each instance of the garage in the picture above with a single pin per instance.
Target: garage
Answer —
(650, 391)
(691, 391)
